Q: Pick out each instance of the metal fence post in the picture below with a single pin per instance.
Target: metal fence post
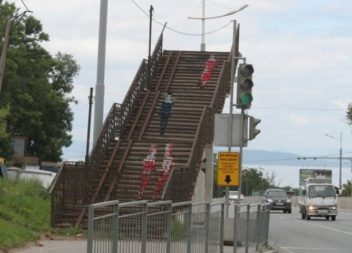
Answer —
(267, 224)
(90, 229)
(247, 227)
(144, 228)
(115, 228)
(189, 239)
(235, 221)
(257, 221)
(222, 224)
(169, 228)
(207, 217)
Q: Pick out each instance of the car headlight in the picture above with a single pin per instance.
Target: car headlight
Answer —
(333, 207)
(288, 201)
(311, 207)
(269, 200)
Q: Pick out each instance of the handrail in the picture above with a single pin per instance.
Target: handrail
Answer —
(121, 116)
(65, 193)
(222, 86)
(156, 57)
(204, 135)
(110, 131)
(205, 130)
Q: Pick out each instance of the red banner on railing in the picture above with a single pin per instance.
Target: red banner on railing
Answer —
(164, 173)
(209, 67)
(148, 167)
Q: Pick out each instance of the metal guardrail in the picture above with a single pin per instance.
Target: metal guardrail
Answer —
(166, 227)
(252, 223)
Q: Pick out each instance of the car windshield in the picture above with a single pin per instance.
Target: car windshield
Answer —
(277, 194)
(321, 191)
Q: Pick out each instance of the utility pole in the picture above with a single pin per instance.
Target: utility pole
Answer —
(100, 87)
(90, 98)
(202, 44)
(150, 45)
(229, 134)
(4, 52)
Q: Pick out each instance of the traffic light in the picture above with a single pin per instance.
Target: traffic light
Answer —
(244, 86)
(253, 132)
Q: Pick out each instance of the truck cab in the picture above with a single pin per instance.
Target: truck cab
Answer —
(318, 199)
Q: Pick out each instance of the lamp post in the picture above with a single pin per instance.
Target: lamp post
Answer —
(203, 18)
(340, 157)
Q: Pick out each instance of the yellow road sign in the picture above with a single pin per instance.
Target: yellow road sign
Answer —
(228, 168)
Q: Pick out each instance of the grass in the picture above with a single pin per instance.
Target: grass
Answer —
(25, 213)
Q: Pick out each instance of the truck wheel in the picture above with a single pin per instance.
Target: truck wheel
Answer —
(327, 217)
(333, 217)
(289, 211)
(303, 216)
(307, 217)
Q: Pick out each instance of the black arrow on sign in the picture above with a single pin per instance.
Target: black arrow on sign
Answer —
(228, 179)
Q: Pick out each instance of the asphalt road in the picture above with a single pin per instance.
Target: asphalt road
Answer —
(294, 235)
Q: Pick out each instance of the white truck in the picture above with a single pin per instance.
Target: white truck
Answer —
(318, 199)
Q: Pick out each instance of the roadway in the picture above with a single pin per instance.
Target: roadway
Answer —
(294, 235)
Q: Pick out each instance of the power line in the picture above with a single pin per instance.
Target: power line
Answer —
(272, 160)
(297, 109)
(175, 30)
(25, 6)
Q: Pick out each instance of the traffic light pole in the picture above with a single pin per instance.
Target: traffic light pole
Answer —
(240, 157)
(233, 69)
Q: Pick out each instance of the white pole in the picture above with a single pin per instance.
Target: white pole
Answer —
(99, 88)
(202, 45)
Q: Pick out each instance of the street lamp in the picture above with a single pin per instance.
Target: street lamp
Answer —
(340, 157)
(203, 18)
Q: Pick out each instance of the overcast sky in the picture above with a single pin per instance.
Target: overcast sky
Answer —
(301, 51)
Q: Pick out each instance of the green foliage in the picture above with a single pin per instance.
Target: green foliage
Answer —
(24, 212)
(37, 86)
(347, 189)
(178, 230)
(253, 180)
(4, 136)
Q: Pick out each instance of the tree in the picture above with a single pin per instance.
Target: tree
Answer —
(253, 180)
(347, 189)
(37, 87)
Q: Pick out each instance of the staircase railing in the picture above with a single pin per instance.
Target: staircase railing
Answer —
(115, 123)
(69, 191)
(180, 190)
(113, 129)
(183, 191)
(156, 57)
(222, 87)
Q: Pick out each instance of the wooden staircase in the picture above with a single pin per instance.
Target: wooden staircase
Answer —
(189, 128)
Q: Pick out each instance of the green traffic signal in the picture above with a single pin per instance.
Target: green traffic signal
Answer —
(244, 85)
(246, 99)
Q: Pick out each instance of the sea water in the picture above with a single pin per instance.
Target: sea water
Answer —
(285, 175)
